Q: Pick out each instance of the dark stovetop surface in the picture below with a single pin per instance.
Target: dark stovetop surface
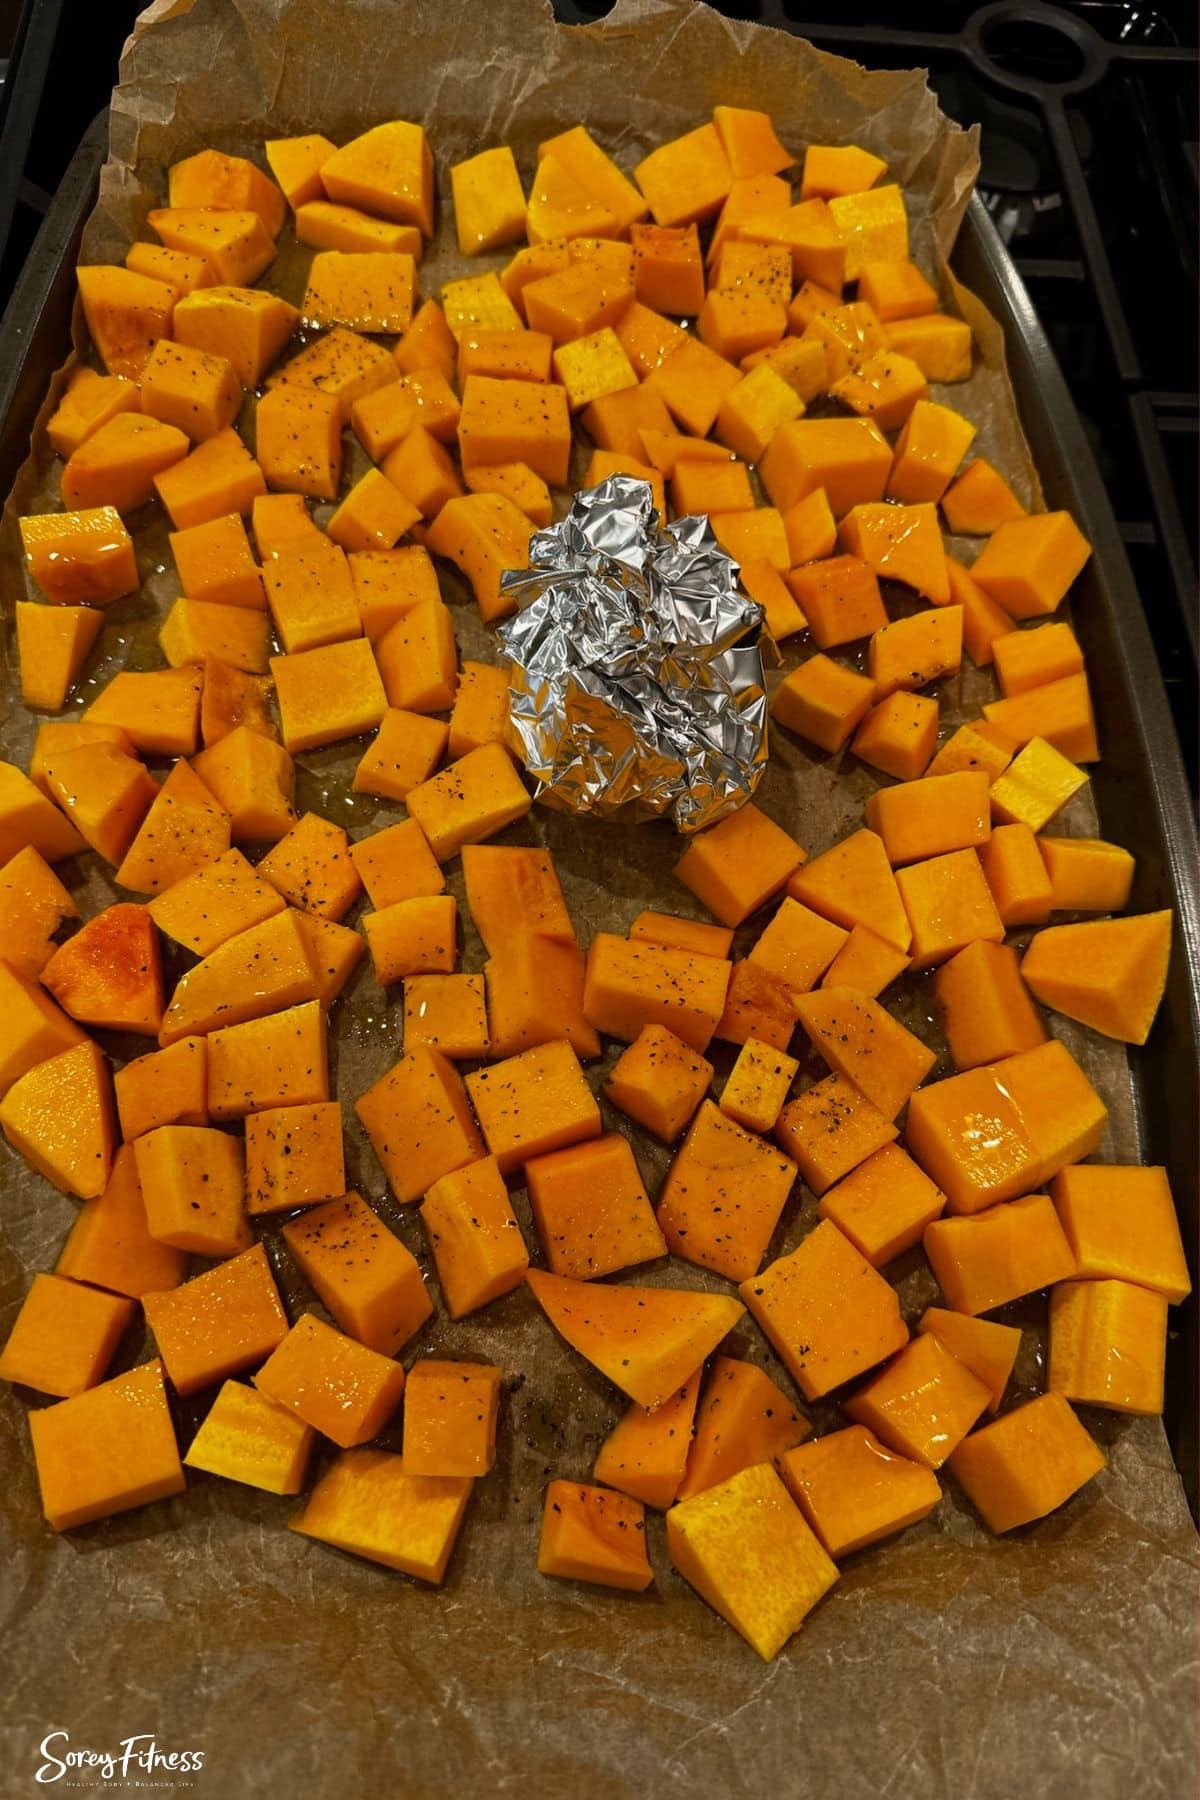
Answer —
(1089, 169)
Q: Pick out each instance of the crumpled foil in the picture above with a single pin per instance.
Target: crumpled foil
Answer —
(630, 689)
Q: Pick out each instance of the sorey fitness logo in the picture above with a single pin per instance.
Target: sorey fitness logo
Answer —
(136, 1762)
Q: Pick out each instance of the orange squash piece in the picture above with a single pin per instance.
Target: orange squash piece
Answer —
(757, 1085)
(1035, 786)
(852, 883)
(1122, 1225)
(865, 962)
(294, 1155)
(1060, 713)
(985, 1008)
(532, 1103)
(473, 799)
(744, 1418)
(110, 1246)
(33, 904)
(367, 1504)
(59, 1115)
(64, 1336)
(988, 1349)
(884, 1205)
(980, 501)
(126, 314)
(739, 864)
(1028, 564)
(853, 1491)
(450, 1413)
(986, 1260)
(591, 1534)
(591, 1209)
(218, 1323)
(194, 1183)
(839, 598)
(473, 1233)
(923, 1404)
(931, 817)
(419, 1121)
(1014, 870)
(223, 898)
(899, 735)
(245, 1437)
(1025, 1465)
(387, 171)
(659, 1081)
(723, 1195)
(829, 1129)
(281, 1060)
(110, 973)
(359, 1270)
(646, 1452)
(822, 700)
(849, 458)
(1107, 973)
(630, 984)
(691, 378)
(336, 1386)
(797, 946)
(1108, 1345)
(862, 1041)
(107, 1450)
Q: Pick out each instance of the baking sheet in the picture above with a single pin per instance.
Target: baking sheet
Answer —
(1060, 1661)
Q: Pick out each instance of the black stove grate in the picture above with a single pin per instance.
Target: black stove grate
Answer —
(1089, 170)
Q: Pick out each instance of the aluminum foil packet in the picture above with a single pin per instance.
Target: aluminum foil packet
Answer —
(632, 690)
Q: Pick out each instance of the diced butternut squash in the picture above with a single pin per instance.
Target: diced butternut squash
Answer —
(1014, 870)
(281, 1060)
(1036, 785)
(1060, 712)
(413, 937)
(853, 1491)
(899, 735)
(360, 1271)
(591, 1534)
(646, 1452)
(1028, 564)
(1086, 874)
(985, 1008)
(220, 900)
(330, 693)
(387, 171)
(397, 864)
(110, 973)
(862, 1041)
(1122, 1225)
(743, 1419)
(166, 1087)
(118, 464)
(64, 1336)
(988, 1349)
(417, 658)
(591, 1208)
(294, 1155)
(866, 962)
(532, 1103)
(366, 1504)
(447, 1013)
(335, 1385)
(483, 535)
(923, 1404)
(80, 558)
(33, 904)
(821, 699)
(110, 1246)
(474, 1236)
(419, 1121)
(219, 1323)
(365, 290)
(1108, 1345)
(992, 1257)
(631, 984)
(220, 476)
(246, 1437)
(53, 644)
(107, 1450)
(1025, 1465)
(757, 1085)
(1107, 973)
(32, 1027)
(839, 598)
(739, 864)
(659, 1081)
(723, 1195)
(829, 1129)
(931, 817)
(247, 326)
(980, 500)
(474, 798)
(126, 314)
(60, 1117)
(259, 971)
(884, 1205)
(194, 1183)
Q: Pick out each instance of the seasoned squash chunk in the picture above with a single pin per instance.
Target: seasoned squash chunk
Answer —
(590, 1534)
(106, 1450)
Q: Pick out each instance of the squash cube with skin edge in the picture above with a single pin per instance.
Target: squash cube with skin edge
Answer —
(797, 946)
(218, 1323)
(389, 584)
(63, 1337)
(591, 1209)
(193, 1179)
(862, 1041)
(109, 1245)
(367, 1504)
(281, 1060)
(360, 1271)
(758, 1005)
(244, 325)
(33, 904)
(106, 1450)
(532, 1103)
(1122, 1225)
(335, 1385)
(1016, 874)
(840, 600)
(988, 1349)
(1106, 973)
(1108, 1345)
(743, 1419)
(986, 1260)
(298, 441)
(220, 900)
(447, 1013)
(1025, 1465)
(923, 1404)
(630, 984)
(328, 694)
(413, 937)
(166, 1087)
(899, 735)
(373, 515)
(866, 962)
(397, 864)
(247, 1438)
(1028, 564)
(387, 171)
(591, 1534)
(79, 558)
(32, 1027)
(659, 1081)
(800, 1302)
(745, 1548)
(471, 800)
(473, 1233)
(980, 501)
(420, 1123)
(126, 314)
(829, 1129)
(294, 1155)
(53, 644)
(366, 290)
(645, 1453)
(118, 464)
(59, 1116)
(823, 701)
(853, 1491)
(1036, 786)
(450, 1415)
(259, 971)
(739, 864)
(723, 1196)
(109, 975)
(220, 476)
(984, 1007)
(405, 752)
(311, 868)
(417, 658)
(483, 535)
(758, 1085)
(648, 1341)
(884, 1205)
(535, 992)
(515, 421)
(931, 817)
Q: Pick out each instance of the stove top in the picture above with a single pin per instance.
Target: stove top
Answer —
(1088, 111)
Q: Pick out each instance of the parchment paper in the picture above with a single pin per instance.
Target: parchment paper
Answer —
(1057, 1662)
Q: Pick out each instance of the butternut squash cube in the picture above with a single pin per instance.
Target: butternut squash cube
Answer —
(591, 1209)
(1028, 564)
(928, 451)
(1016, 874)
(335, 1385)
(989, 1258)
(80, 558)
(1107, 973)
(389, 584)
(334, 951)
(29, 820)
(745, 1548)
(931, 817)
(326, 225)
(980, 501)
(471, 800)
(397, 864)
(750, 197)
(117, 465)
(859, 1039)
(749, 141)
(280, 1060)
(215, 564)
(159, 711)
(218, 902)
(420, 1124)
(758, 1005)
(516, 482)
(126, 314)
(923, 1404)
(797, 946)
(1108, 1344)
(832, 169)
(648, 1341)
(659, 1081)
(181, 272)
(753, 536)
(219, 1322)
(110, 1246)
(245, 325)
(428, 343)
(59, 1116)
(884, 1205)
(939, 344)
(691, 379)
(447, 1013)
(949, 905)
(631, 984)
(480, 712)
(64, 1336)
(802, 1302)
(853, 1491)
(579, 153)
(969, 1136)
(311, 867)
(885, 387)
(110, 973)
(450, 1415)
(1060, 712)
(366, 1503)
(387, 171)
(840, 600)
(984, 621)
(516, 421)
(536, 992)
(32, 1027)
(478, 303)
(646, 1452)
(1036, 786)
(850, 334)
(739, 864)
(473, 1233)
(373, 515)
(213, 179)
(360, 1271)
(591, 1534)
(196, 630)
(1025, 1465)
(782, 617)
(88, 401)
(904, 543)
(33, 904)
(829, 1129)
(1122, 1225)
(723, 1195)
(976, 745)
(53, 644)
(810, 235)
(984, 1006)
(298, 440)
(489, 206)
(167, 1087)
(107, 1450)
(757, 1086)
(233, 239)
(192, 390)
(669, 269)
(744, 1419)
(708, 487)
(822, 700)
(417, 659)
(899, 735)
(897, 290)
(483, 535)
(328, 694)
(736, 321)
(752, 412)
(413, 937)
(865, 962)
(514, 891)
(366, 290)
(295, 162)
(294, 1155)
(686, 180)
(220, 476)
(194, 1183)
(405, 752)
(259, 971)
(1086, 874)
(532, 1103)
(989, 1350)
(245, 1437)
